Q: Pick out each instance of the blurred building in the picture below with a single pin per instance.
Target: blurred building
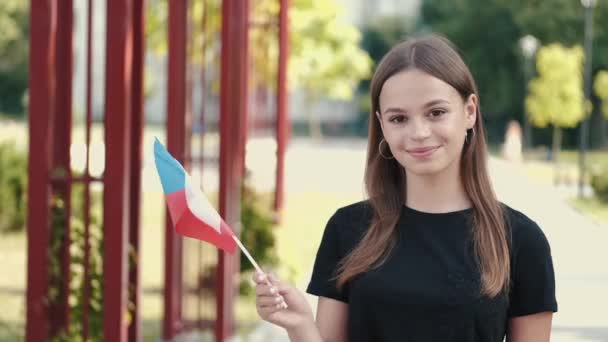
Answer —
(362, 12)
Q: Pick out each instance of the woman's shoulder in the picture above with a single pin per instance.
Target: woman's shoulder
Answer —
(355, 211)
(354, 217)
(524, 232)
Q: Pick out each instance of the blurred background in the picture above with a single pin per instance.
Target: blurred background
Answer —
(267, 103)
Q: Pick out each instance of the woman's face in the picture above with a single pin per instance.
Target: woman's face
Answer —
(424, 121)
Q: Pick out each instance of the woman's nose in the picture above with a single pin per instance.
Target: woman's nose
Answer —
(420, 130)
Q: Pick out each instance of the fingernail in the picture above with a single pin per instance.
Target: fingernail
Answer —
(260, 277)
(278, 300)
(273, 290)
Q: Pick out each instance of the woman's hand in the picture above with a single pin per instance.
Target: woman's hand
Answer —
(281, 304)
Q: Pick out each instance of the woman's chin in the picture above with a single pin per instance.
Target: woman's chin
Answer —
(424, 169)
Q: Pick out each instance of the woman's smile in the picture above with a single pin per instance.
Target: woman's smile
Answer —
(422, 152)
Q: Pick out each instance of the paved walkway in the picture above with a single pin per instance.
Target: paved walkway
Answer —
(578, 244)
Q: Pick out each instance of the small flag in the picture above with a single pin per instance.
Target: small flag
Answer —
(192, 214)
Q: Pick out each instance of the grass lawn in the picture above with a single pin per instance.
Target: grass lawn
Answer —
(595, 160)
(567, 172)
(592, 207)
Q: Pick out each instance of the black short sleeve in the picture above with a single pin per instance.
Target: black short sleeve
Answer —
(322, 282)
(533, 278)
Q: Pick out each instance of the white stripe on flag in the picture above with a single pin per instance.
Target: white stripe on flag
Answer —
(199, 204)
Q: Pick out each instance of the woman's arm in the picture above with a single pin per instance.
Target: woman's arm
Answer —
(536, 327)
(330, 323)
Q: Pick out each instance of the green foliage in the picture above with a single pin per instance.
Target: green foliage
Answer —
(13, 188)
(14, 32)
(378, 38)
(57, 277)
(326, 58)
(600, 85)
(556, 95)
(324, 53)
(562, 21)
(494, 55)
(491, 54)
(256, 234)
(599, 183)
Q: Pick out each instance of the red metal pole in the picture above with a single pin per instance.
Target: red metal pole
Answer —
(176, 109)
(201, 163)
(242, 45)
(86, 286)
(233, 115)
(43, 29)
(137, 108)
(60, 310)
(282, 105)
(119, 60)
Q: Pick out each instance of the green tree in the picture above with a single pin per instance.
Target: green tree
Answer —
(13, 188)
(562, 21)
(556, 95)
(600, 85)
(325, 59)
(14, 33)
(377, 40)
(486, 35)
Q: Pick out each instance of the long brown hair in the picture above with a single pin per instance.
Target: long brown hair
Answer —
(385, 178)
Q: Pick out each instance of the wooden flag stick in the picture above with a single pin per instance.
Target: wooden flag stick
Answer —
(255, 264)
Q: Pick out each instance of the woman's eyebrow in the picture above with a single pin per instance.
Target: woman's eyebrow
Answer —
(428, 104)
(395, 110)
(435, 102)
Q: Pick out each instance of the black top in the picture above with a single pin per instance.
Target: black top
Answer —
(429, 287)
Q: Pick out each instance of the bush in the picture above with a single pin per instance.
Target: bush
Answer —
(57, 276)
(256, 234)
(13, 188)
(599, 183)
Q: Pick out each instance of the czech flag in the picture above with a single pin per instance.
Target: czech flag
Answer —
(192, 214)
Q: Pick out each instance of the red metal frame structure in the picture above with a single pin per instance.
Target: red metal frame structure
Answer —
(87, 181)
(233, 123)
(43, 21)
(61, 153)
(49, 177)
(50, 172)
(137, 124)
(176, 145)
(50, 140)
(282, 126)
(118, 167)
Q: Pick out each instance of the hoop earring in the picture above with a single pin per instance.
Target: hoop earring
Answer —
(380, 150)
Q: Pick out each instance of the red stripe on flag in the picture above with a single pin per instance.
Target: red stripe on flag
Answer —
(191, 226)
(176, 201)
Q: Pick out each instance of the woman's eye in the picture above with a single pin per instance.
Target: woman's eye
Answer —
(398, 119)
(435, 113)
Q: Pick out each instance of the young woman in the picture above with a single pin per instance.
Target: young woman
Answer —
(432, 255)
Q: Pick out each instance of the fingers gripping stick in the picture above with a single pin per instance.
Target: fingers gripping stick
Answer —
(255, 264)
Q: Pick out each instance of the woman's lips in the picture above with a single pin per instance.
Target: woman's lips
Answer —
(422, 152)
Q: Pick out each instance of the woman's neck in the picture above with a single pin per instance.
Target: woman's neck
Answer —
(436, 193)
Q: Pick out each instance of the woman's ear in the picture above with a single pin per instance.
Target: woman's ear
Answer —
(470, 111)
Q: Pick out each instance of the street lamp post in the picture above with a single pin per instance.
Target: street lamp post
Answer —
(528, 45)
(584, 128)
